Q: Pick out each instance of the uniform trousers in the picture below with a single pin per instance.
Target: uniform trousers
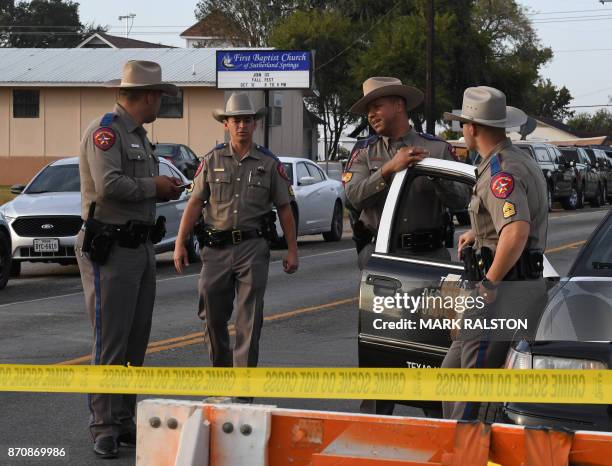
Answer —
(233, 273)
(119, 298)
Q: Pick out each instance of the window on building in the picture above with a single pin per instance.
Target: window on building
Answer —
(172, 107)
(26, 103)
(276, 110)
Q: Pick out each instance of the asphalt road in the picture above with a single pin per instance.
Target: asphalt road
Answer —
(310, 321)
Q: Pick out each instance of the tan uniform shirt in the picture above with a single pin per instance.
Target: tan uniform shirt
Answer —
(367, 190)
(513, 190)
(117, 166)
(239, 192)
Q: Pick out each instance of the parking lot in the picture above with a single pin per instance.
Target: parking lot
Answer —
(44, 322)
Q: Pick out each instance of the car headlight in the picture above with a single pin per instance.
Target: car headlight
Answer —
(552, 362)
(518, 360)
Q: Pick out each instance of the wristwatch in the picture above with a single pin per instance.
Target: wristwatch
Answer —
(488, 284)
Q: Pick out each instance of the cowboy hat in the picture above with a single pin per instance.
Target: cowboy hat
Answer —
(239, 104)
(140, 74)
(379, 86)
(487, 106)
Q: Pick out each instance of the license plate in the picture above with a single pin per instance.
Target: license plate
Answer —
(46, 245)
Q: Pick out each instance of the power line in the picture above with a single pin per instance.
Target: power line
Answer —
(589, 106)
(566, 20)
(567, 11)
(581, 50)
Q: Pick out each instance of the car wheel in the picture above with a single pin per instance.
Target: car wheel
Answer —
(550, 201)
(570, 202)
(337, 224)
(193, 249)
(5, 260)
(15, 268)
(463, 218)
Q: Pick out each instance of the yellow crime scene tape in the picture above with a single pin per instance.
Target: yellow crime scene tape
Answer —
(528, 385)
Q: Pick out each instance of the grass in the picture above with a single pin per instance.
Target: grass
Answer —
(5, 194)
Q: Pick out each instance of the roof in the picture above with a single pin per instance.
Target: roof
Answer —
(93, 66)
(118, 42)
(555, 124)
(214, 25)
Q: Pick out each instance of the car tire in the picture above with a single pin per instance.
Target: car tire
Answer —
(337, 224)
(570, 202)
(15, 268)
(463, 218)
(193, 249)
(5, 260)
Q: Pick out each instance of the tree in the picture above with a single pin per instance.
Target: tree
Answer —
(548, 100)
(42, 23)
(330, 34)
(254, 18)
(599, 122)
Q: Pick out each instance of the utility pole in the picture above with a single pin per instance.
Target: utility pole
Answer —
(128, 24)
(429, 74)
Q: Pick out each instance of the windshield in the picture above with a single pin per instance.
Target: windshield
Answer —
(570, 156)
(56, 179)
(164, 150)
(596, 261)
(289, 170)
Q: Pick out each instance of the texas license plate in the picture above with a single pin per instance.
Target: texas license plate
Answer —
(46, 245)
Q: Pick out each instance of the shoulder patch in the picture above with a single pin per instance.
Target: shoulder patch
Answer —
(199, 170)
(357, 148)
(104, 138)
(502, 185)
(280, 167)
(107, 119)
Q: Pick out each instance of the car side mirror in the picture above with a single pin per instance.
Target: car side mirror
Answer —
(17, 188)
(306, 181)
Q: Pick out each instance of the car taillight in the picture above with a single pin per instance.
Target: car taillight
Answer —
(518, 360)
(553, 362)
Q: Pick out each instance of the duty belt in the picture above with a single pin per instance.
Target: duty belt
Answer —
(130, 235)
(220, 238)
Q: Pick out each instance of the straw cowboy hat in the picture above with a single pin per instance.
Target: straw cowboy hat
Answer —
(139, 74)
(379, 86)
(239, 104)
(487, 106)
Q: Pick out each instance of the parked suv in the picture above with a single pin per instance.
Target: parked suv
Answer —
(587, 176)
(598, 158)
(181, 156)
(560, 175)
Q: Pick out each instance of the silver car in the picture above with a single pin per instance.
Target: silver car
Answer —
(319, 200)
(45, 217)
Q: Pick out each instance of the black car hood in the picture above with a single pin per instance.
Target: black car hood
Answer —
(580, 309)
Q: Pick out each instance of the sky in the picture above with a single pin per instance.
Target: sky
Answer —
(578, 31)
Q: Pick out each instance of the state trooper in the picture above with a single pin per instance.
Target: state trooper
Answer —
(509, 217)
(234, 189)
(426, 222)
(119, 188)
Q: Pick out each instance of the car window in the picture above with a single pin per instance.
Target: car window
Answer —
(191, 155)
(556, 154)
(184, 154)
(571, 155)
(409, 229)
(302, 171)
(164, 150)
(542, 154)
(591, 155)
(165, 170)
(56, 179)
(527, 149)
(289, 170)
(315, 172)
(596, 261)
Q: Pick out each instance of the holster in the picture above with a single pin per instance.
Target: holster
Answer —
(268, 227)
(473, 272)
(159, 230)
(97, 241)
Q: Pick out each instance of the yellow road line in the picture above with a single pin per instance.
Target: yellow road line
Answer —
(198, 337)
(565, 246)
